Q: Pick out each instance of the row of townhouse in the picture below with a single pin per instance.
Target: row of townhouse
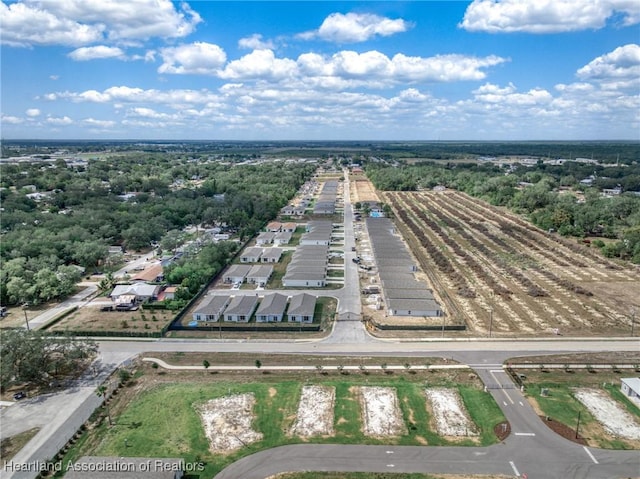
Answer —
(277, 227)
(261, 255)
(272, 308)
(269, 237)
(239, 273)
(404, 295)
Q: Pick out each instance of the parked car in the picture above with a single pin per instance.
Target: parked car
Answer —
(19, 395)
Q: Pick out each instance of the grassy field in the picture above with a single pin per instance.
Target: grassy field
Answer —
(161, 421)
(90, 318)
(11, 445)
(561, 405)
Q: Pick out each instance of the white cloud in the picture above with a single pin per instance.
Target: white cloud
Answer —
(97, 52)
(32, 112)
(61, 121)
(621, 63)
(99, 123)
(25, 25)
(82, 22)
(11, 120)
(125, 94)
(489, 93)
(255, 42)
(259, 64)
(147, 113)
(196, 58)
(546, 16)
(54, 77)
(356, 27)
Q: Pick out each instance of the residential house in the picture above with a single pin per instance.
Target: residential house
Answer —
(289, 227)
(211, 308)
(265, 238)
(301, 308)
(251, 255)
(271, 308)
(271, 255)
(132, 294)
(413, 307)
(274, 226)
(281, 238)
(240, 309)
(151, 274)
(630, 387)
(259, 274)
(236, 273)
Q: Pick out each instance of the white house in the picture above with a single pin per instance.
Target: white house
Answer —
(283, 237)
(271, 255)
(271, 308)
(134, 293)
(251, 255)
(240, 309)
(259, 274)
(236, 273)
(630, 387)
(301, 308)
(212, 308)
(265, 238)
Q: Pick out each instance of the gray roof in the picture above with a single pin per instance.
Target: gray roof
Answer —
(242, 305)
(238, 270)
(272, 304)
(302, 305)
(272, 253)
(124, 468)
(260, 271)
(136, 289)
(423, 293)
(304, 275)
(401, 281)
(633, 383)
(413, 305)
(213, 305)
(253, 251)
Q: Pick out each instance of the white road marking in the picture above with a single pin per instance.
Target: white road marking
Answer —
(521, 403)
(391, 465)
(389, 452)
(590, 455)
(504, 402)
(525, 433)
(515, 469)
(496, 380)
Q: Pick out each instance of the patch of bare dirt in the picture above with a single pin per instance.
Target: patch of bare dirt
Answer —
(315, 411)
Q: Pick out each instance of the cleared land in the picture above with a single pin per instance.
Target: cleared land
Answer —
(315, 412)
(155, 416)
(227, 422)
(607, 412)
(381, 414)
(494, 270)
(449, 413)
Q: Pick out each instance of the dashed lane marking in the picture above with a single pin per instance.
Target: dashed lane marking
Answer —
(590, 455)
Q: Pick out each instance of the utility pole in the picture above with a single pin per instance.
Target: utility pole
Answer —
(633, 319)
(26, 320)
(490, 319)
(578, 424)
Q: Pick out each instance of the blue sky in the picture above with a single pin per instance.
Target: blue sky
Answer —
(304, 70)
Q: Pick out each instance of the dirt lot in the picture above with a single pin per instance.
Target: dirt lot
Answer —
(91, 318)
(362, 189)
(494, 270)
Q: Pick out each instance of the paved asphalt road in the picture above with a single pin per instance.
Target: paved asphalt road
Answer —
(532, 448)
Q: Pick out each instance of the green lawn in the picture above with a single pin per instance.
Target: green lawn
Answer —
(562, 406)
(162, 422)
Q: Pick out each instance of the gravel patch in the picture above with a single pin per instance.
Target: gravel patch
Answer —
(227, 422)
(315, 411)
(381, 412)
(449, 412)
(609, 413)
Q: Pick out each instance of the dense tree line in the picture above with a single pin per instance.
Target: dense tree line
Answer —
(82, 213)
(35, 358)
(552, 197)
